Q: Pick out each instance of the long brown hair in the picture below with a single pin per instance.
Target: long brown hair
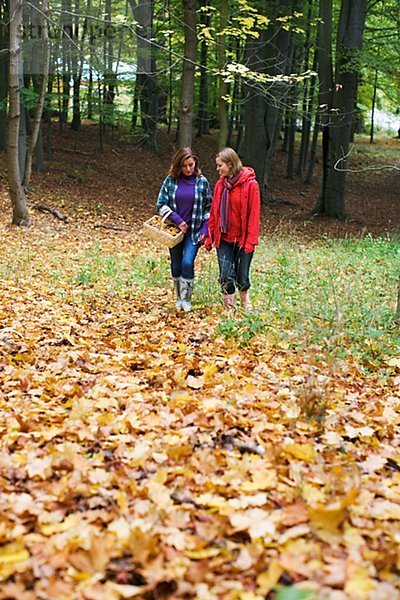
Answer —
(179, 158)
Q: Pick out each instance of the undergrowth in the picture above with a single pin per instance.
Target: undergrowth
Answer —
(336, 296)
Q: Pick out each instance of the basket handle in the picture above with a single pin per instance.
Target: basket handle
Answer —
(164, 218)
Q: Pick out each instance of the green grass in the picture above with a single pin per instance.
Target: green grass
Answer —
(335, 297)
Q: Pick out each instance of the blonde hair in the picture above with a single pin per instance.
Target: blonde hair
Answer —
(229, 156)
(179, 158)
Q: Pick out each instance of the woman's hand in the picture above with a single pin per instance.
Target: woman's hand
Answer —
(183, 226)
(202, 238)
(208, 244)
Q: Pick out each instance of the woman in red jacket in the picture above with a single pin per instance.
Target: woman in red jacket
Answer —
(234, 225)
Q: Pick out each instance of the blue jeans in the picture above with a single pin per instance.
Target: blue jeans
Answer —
(234, 267)
(182, 258)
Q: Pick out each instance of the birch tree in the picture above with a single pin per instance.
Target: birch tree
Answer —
(18, 198)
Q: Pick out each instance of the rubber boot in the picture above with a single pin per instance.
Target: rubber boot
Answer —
(245, 300)
(177, 288)
(186, 294)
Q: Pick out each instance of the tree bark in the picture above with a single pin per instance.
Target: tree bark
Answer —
(371, 133)
(187, 90)
(18, 199)
(307, 93)
(76, 71)
(223, 86)
(325, 76)
(67, 37)
(4, 18)
(203, 125)
(146, 81)
(337, 133)
(264, 106)
(44, 69)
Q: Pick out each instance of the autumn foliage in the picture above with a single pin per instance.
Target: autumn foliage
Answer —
(147, 453)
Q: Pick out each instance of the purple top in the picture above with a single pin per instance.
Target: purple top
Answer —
(184, 199)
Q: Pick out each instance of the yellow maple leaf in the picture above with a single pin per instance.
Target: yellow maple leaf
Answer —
(209, 371)
(269, 578)
(359, 584)
(330, 516)
(301, 451)
(13, 553)
(260, 481)
(69, 522)
(204, 553)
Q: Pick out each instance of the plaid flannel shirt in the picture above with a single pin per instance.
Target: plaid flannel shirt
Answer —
(166, 203)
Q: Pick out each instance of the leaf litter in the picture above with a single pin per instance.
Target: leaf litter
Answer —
(146, 456)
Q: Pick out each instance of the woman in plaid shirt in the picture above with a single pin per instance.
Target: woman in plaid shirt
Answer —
(185, 197)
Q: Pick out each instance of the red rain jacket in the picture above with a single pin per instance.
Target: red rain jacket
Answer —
(247, 191)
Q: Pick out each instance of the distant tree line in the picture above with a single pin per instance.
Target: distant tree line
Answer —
(251, 71)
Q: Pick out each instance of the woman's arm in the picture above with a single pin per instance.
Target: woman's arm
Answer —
(206, 198)
(165, 197)
(253, 222)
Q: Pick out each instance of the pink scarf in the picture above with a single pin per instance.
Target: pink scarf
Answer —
(225, 207)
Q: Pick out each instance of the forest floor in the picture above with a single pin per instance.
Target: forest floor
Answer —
(150, 454)
(121, 183)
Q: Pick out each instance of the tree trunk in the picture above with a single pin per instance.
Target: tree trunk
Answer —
(109, 79)
(313, 148)
(76, 73)
(67, 37)
(291, 131)
(291, 116)
(236, 112)
(371, 133)
(146, 81)
(187, 90)
(18, 199)
(263, 110)
(255, 144)
(306, 132)
(338, 133)
(77, 65)
(42, 69)
(47, 112)
(170, 76)
(4, 19)
(223, 86)
(307, 85)
(203, 125)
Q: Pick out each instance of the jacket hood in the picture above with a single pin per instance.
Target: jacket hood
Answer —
(247, 174)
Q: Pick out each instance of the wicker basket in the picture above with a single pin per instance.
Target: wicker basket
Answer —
(153, 229)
